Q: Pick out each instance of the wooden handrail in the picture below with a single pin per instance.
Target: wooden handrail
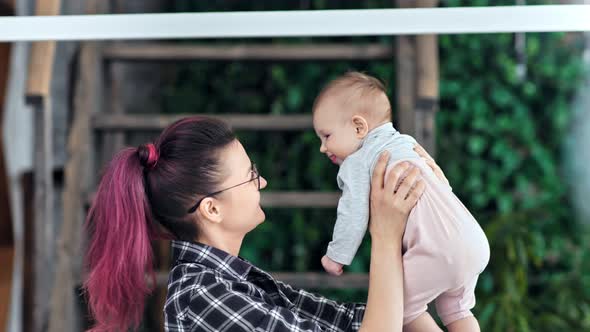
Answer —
(249, 52)
(122, 122)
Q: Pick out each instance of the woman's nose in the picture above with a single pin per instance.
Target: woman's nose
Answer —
(263, 183)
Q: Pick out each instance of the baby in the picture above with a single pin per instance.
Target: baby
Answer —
(444, 248)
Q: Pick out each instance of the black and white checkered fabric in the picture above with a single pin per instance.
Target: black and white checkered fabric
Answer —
(211, 290)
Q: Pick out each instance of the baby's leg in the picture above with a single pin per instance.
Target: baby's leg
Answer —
(425, 278)
(454, 308)
(424, 323)
(427, 271)
(468, 324)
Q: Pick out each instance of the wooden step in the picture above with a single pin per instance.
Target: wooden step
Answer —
(291, 199)
(122, 122)
(278, 52)
(307, 280)
(299, 199)
(322, 280)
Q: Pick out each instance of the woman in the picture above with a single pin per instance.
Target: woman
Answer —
(197, 186)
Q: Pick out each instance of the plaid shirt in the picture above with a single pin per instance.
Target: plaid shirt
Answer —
(211, 290)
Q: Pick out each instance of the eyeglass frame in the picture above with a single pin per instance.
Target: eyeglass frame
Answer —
(257, 178)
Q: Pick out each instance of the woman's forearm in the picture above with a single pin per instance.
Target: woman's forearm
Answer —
(385, 302)
(390, 208)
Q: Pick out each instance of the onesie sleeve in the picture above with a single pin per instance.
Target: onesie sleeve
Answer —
(353, 211)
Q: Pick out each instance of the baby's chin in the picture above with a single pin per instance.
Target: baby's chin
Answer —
(339, 161)
(336, 160)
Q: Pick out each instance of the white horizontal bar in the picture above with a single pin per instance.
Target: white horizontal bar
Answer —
(309, 23)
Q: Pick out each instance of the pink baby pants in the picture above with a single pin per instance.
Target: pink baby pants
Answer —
(445, 250)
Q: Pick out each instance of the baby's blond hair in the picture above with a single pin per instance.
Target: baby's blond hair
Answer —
(364, 94)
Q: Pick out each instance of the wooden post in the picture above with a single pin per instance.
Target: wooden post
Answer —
(6, 221)
(38, 96)
(113, 141)
(417, 82)
(78, 178)
(427, 74)
(44, 225)
(405, 87)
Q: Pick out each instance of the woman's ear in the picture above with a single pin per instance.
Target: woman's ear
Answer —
(360, 125)
(210, 210)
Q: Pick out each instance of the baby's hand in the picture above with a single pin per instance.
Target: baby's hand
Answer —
(331, 267)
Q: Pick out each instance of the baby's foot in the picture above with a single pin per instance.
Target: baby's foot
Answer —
(331, 266)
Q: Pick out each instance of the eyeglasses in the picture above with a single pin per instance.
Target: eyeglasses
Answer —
(255, 177)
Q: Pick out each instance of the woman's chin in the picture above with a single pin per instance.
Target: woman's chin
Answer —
(262, 216)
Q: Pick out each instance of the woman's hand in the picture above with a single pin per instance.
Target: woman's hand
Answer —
(431, 163)
(390, 207)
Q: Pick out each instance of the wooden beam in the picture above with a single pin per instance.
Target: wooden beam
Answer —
(120, 122)
(307, 280)
(250, 52)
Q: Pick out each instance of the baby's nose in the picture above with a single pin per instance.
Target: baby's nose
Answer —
(323, 148)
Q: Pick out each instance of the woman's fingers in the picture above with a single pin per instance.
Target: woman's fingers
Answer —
(437, 170)
(394, 176)
(431, 163)
(415, 194)
(421, 152)
(379, 171)
(407, 184)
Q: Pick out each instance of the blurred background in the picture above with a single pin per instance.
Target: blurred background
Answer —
(507, 117)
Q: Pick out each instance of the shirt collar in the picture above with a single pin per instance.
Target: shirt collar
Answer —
(210, 257)
(385, 129)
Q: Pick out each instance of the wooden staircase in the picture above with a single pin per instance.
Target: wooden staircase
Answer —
(99, 118)
(112, 126)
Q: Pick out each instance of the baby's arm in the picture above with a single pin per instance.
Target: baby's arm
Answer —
(353, 213)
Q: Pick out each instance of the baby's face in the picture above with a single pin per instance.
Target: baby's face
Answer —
(334, 127)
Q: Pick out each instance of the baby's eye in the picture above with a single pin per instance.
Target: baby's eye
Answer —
(327, 136)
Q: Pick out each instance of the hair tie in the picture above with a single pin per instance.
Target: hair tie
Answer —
(152, 156)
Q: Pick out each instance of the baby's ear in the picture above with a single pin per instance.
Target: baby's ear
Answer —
(360, 125)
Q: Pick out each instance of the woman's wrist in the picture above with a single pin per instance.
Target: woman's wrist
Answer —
(381, 244)
(393, 230)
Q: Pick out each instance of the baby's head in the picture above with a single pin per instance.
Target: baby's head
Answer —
(346, 110)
